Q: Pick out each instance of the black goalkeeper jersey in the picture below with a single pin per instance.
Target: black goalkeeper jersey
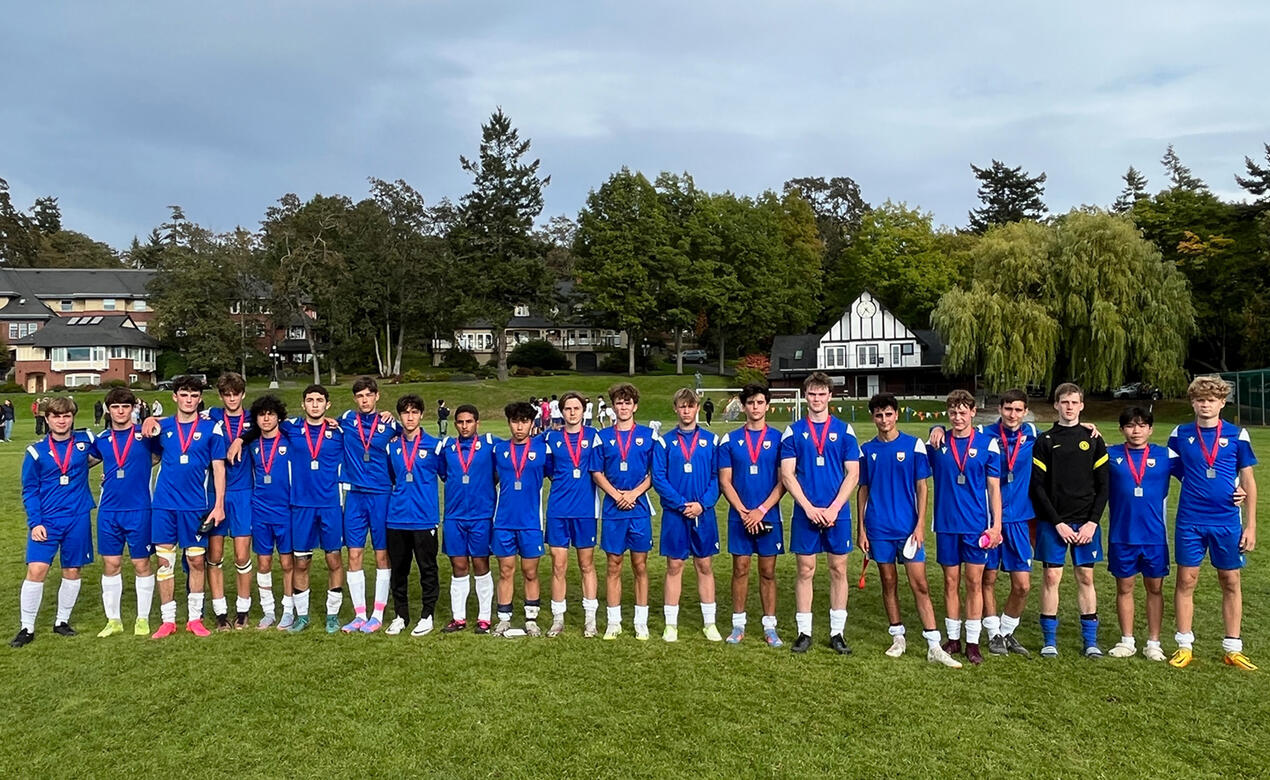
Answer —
(1069, 475)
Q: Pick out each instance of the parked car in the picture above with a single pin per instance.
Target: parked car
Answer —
(1136, 390)
(693, 355)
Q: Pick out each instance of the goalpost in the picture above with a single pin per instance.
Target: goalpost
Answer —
(786, 404)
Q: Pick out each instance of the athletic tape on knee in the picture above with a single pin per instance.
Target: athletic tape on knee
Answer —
(243, 568)
(219, 564)
(167, 564)
(195, 552)
(304, 556)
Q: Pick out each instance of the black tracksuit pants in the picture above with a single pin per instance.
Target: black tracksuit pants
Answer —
(422, 546)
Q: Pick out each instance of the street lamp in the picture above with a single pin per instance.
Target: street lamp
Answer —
(273, 355)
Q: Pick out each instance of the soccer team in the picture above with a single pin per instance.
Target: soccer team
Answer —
(1004, 496)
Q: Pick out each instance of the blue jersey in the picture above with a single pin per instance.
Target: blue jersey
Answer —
(573, 495)
(891, 470)
(237, 475)
(187, 452)
(467, 466)
(519, 505)
(366, 439)
(270, 464)
(1016, 504)
(1205, 500)
(961, 497)
(821, 452)
(314, 480)
(125, 469)
(634, 448)
(416, 488)
(755, 463)
(1137, 511)
(685, 469)
(50, 495)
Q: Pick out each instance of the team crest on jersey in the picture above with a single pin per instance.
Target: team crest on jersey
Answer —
(1223, 441)
(137, 436)
(328, 434)
(833, 436)
(475, 446)
(505, 455)
(1084, 445)
(805, 434)
(1121, 460)
(198, 435)
(974, 451)
(767, 444)
(283, 449)
(899, 456)
(1150, 462)
(380, 427)
(586, 443)
(701, 443)
(533, 455)
(639, 441)
(1189, 439)
(79, 445)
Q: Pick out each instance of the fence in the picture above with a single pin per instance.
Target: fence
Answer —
(1249, 395)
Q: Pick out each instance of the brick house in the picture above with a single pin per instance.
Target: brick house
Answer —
(84, 351)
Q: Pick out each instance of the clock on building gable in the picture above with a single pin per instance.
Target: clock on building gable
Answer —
(866, 309)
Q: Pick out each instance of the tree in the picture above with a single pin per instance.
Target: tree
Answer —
(1135, 188)
(1008, 195)
(494, 230)
(839, 210)
(1180, 177)
(1086, 299)
(47, 215)
(69, 249)
(687, 278)
(556, 239)
(17, 246)
(1257, 182)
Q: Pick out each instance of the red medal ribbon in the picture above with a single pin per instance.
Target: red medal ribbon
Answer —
(314, 451)
(267, 463)
(574, 455)
(53, 451)
(959, 460)
(185, 443)
(824, 435)
(458, 447)
(366, 440)
(1137, 474)
(408, 460)
(234, 434)
(519, 468)
(624, 448)
(687, 451)
(754, 447)
(1209, 457)
(114, 445)
(1011, 457)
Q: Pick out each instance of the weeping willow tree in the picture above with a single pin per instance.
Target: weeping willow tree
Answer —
(1085, 299)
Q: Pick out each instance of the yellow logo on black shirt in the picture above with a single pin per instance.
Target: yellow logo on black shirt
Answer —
(1084, 445)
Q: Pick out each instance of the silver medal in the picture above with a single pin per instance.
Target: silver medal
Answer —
(961, 479)
(63, 480)
(313, 465)
(577, 473)
(516, 484)
(465, 479)
(622, 466)
(366, 456)
(1009, 477)
(1137, 492)
(268, 479)
(185, 458)
(119, 474)
(1211, 473)
(820, 460)
(410, 477)
(687, 468)
(754, 468)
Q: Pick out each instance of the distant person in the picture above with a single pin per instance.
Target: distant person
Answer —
(98, 409)
(557, 419)
(156, 409)
(37, 411)
(600, 412)
(443, 417)
(10, 414)
(708, 409)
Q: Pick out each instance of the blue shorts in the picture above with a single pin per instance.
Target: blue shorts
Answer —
(621, 535)
(892, 551)
(73, 537)
(1015, 551)
(956, 549)
(1052, 550)
(237, 515)
(525, 542)
(576, 531)
(269, 531)
(808, 539)
(681, 538)
(467, 538)
(1130, 560)
(129, 526)
(311, 525)
(1220, 542)
(742, 542)
(177, 526)
(363, 512)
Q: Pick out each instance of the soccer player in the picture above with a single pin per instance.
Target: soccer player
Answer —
(1137, 539)
(521, 467)
(366, 505)
(967, 472)
(622, 467)
(1213, 456)
(467, 468)
(892, 499)
(443, 417)
(820, 466)
(238, 502)
(687, 483)
(1069, 493)
(270, 463)
(190, 447)
(58, 505)
(750, 478)
(413, 461)
(571, 516)
(124, 514)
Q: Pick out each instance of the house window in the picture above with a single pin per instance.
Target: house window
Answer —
(798, 354)
(138, 305)
(895, 354)
(19, 330)
(108, 304)
(835, 357)
(522, 311)
(866, 355)
(132, 379)
(118, 353)
(83, 380)
(67, 306)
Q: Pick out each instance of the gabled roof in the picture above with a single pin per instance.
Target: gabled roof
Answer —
(933, 347)
(23, 307)
(115, 330)
(77, 282)
(786, 351)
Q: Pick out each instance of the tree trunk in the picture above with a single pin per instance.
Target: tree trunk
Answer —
(500, 347)
(679, 351)
(401, 342)
(387, 348)
(317, 372)
(723, 354)
(379, 360)
(630, 351)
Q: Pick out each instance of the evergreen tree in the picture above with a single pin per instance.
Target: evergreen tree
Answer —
(1008, 195)
(1135, 188)
(1257, 182)
(1180, 177)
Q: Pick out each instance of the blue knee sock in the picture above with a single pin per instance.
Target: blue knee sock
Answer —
(1089, 629)
(1049, 629)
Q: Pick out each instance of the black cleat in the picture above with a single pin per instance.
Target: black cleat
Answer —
(996, 645)
(240, 621)
(839, 645)
(23, 639)
(64, 629)
(802, 644)
(222, 623)
(1015, 646)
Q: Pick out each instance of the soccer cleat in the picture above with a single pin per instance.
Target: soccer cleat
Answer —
(1122, 650)
(1154, 653)
(641, 633)
(712, 633)
(996, 645)
(1182, 658)
(1049, 651)
(141, 627)
(482, 627)
(670, 633)
(589, 630)
(839, 645)
(222, 623)
(240, 621)
(1239, 661)
(287, 619)
(197, 628)
(23, 638)
(952, 646)
(64, 629)
(112, 627)
(332, 624)
(453, 625)
(165, 630)
(502, 628)
(736, 636)
(772, 638)
(802, 644)
(557, 627)
(370, 626)
(532, 629)
(898, 645)
(1093, 652)
(397, 625)
(613, 631)
(973, 655)
(422, 628)
(936, 655)
(266, 622)
(1015, 646)
(354, 625)
(301, 623)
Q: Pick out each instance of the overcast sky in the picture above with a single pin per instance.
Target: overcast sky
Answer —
(120, 109)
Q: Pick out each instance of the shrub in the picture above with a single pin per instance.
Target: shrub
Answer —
(527, 371)
(57, 389)
(538, 354)
(616, 362)
(460, 360)
(116, 383)
(10, 387)
(413, 375)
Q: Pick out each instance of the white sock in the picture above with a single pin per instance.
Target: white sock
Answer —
(614, 615)
(531, 611)
(992, 624)
(302, 602)
(803, 621)
(931, 637)
(1232, 644)
(112, 595)
(1008, 624)
(1186, 640)
(837, 621)
(505, 613)
(1153, 643)
(381, 592)
(484, 595)
(739, 619)
(32, 594)
(194, 607)
(67, 595)
(145, 595)
(288, 603)
(357, 591)
(641, 616)
(460, 587)
(973, 629)
(242, 604)
(952, 628)
(557, 609)
(671, 613)
(264, 583)
(707, 613)
(1128, 641)
(769, 621)
(896, 630)
(334, 600)
(167, 612)
(220, 606)
(589, 608)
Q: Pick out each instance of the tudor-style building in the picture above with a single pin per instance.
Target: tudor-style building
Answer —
(83, 351)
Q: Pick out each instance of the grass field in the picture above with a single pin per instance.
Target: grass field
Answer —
(266, 704)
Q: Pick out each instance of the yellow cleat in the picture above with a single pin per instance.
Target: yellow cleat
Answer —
(1240, 661)
(1181, 658)
(112, 627)
(141, 627)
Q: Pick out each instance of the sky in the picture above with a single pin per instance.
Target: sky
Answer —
(121, 109)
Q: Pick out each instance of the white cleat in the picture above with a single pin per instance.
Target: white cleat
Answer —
(422, 628)
(898, 646)
(937, 655)
(557, 627)
(1123, 650)
(1153, 653)
(395, 627)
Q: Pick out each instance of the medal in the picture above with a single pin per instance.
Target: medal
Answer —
(574, 455)
(754, 468)
(185, 459)
(621, 466)
(687, 468)
(1209, 457)
(820, 460)
(1137, 492)
(314, 465)
(1211, 473)
(185, 443)
(471, 456)
(119, 474)
(62, 465)
(229, 426)
(121, 457)
(366, 437)
(691, 448)
(755, 447)
(519, 468)
(623, 449)
(465, 479)
(314, 449)
(1009, 477)
(577, 473)
(959, 459)
(819, 441)
(961, 479)
(266, 462)
(267, 479)
(1136, 473)
(1011, 457)
(408, 458)
(516, 484)
(63, 480)
(410, 477)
